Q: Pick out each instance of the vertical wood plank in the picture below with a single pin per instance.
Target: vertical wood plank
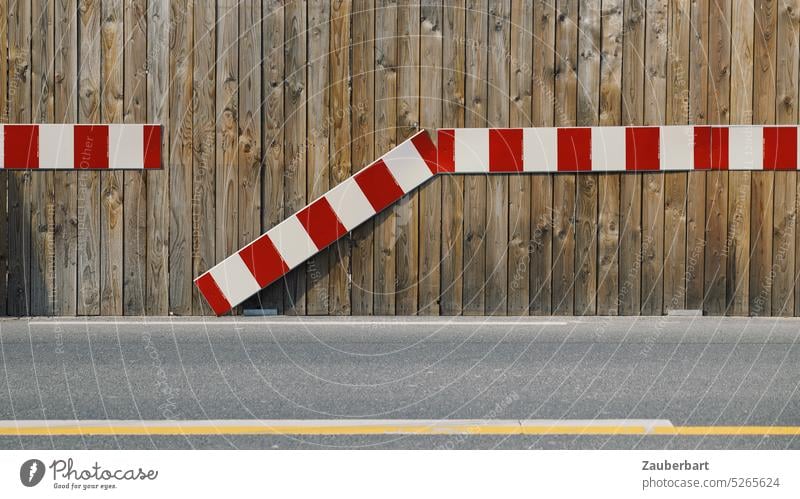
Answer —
(543, 109)
(497, 106)
(407, 209)
(653, 183)
(363, 150)
(19, 194)
(203, 168)
(180, 154)
(519, 187)
(430, 196)
(5, 65)
(134, 249)
(65, 183)
(763, 58)
(42, 279)
(385, 140)
(696, 181)
(609, 185)
(111, 203)
(474, 186)
(453, 109)
(295, 137)
(739, 183)
(341, 138)
(564, 184)
(318, 136)
(157, 284)
(272, 198)
(675, 184)
(630, 239)
(588, 105)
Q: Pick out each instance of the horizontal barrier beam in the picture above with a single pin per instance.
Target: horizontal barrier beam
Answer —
(80, 147)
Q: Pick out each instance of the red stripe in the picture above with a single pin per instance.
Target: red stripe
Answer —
(211, 292)
(263, 260)
(21, 146)
(505, 150)
(91, 146)
(378, 185)
(447, 151)
(641, 149)
(710, 148)
(427, 149)
(152, 146)
(780, 148)
(321, 223)
(574, 149)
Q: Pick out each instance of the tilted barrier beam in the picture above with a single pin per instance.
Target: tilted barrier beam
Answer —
(80, 147)
(489, 151)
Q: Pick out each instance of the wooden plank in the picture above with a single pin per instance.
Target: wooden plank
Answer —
(716, 254)
(609, 185)
(111, 202)
(180, 154)
(675, 184)
(272, 183)
(318, 136)
(785, 212)
(543, 114)
(339, 267)
(453, 110)
(430, 196)
(655, 94)
(497, 107)
(4, 118)
(564, 185)
(19, 194)
(363, 146)
(134, 247)
(588, 106)
(474, 280)
(204, 147)
(157, 283)
(630, 239)
(519, 187)
(763, 56)
(295, 137)
(739, 183)
(407, 209)
(385, 140)
(65, 221)
(696, 181)
(227, 130)
(42, 278)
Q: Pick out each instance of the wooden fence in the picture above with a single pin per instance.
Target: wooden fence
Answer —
(266, 104)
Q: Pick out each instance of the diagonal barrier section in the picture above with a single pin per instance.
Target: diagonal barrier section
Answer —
(319, 224)
(82, 147)
(489, 151)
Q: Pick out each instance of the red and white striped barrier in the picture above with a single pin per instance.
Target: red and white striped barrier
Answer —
(483, 150)
(615, 149)
(82, 147)
(319, 224)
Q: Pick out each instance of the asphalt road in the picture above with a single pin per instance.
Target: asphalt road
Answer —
(691, 371)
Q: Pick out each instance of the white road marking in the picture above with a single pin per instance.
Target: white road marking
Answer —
(246, 322)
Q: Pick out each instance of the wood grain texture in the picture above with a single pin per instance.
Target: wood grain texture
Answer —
(4, 118)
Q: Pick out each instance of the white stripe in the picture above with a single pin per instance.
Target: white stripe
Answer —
(540, 149)
(292, 241)
(407, 166)
(56, 146)
(2, 146)
(608, 149)
(472, 150)
(350, 204)
(125, 146)
(745, 148)
(234, 279)
(677, 148)
(239, 321)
